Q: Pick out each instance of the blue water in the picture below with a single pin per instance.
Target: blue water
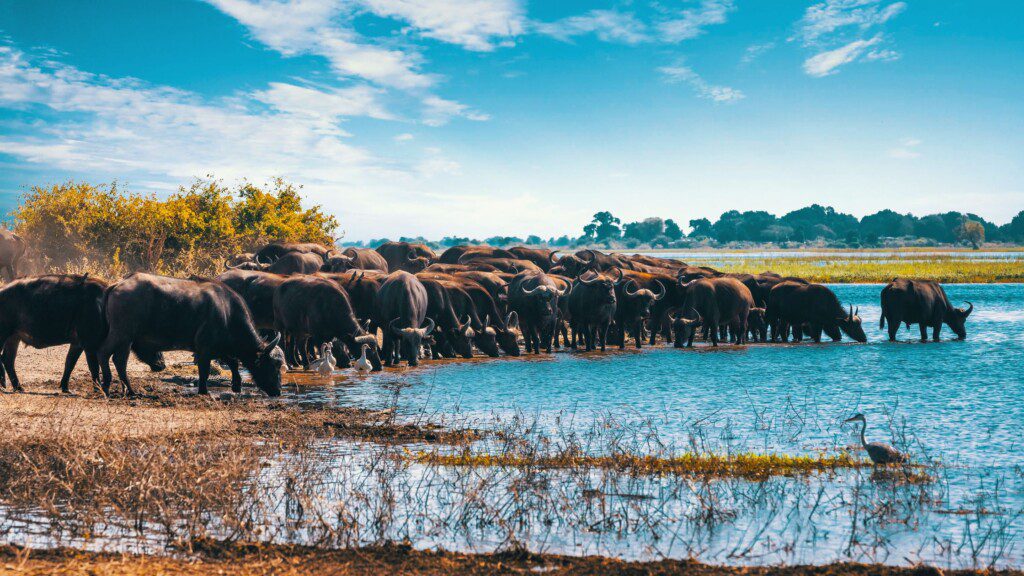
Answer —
(956, 405)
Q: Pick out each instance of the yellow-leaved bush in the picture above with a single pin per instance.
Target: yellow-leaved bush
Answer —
(77, 227)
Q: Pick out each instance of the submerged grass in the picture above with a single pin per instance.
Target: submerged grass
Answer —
(751, 466)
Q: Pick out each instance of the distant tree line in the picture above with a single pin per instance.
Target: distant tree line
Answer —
(815, 224)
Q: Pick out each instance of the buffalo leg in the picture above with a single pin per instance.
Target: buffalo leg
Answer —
(816, 333)
(798, 331)
(236, 377)
(936, 329)
(94, 365)
(639, 336)
(894, 327)
(74, 353)
(924, 331)
(203, 363)
(121, 364)
(10, 354)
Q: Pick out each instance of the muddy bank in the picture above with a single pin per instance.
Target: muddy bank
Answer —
(283, 560)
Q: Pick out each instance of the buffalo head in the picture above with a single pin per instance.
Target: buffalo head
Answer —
(683, 327)
(266, 369)
(411, 339)
(338, 263)
(957, 320)
(851, 325)
(644, 297)
(757, 323)
(603, 285)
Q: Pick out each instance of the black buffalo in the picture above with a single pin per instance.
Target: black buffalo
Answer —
(637, 293)
(44, 311)
(317, 310)
(454, 333)
(592, 305)
(921, 302)
(366, 259)
(206, 317)
(297, 263)
(716, 302)
(275, 250)
(406, 256)
(400, 310)
(455, 254)
(814, 308)
(534, 297)
(542, 257)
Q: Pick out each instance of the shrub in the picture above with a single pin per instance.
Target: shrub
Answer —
(79, 226)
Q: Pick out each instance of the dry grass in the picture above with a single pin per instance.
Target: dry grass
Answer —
(394, 559)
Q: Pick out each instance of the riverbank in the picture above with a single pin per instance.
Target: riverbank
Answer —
(402, 560)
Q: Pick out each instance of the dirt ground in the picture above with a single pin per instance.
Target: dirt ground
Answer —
(286, 561)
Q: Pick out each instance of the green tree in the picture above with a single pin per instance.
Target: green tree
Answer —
(701, 228)
(603, 227)
(672, 230)
(645, 230)
(971, 232)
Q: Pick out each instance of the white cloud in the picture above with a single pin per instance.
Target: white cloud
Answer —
(690, 23)
(681, 73)
(823, 19)
(438, 111)
(826, 63)
(907, 150)
(327, 104)
(472, 24)
(404, 137)
(319, 27)
(607, 25)
(755, 51)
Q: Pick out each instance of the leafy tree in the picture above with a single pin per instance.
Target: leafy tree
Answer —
(971, 232)
(701, 228)
(534, 240)
(645, 230)
(1014, 230)
(672, 230)
(886, 223)
(603, 227)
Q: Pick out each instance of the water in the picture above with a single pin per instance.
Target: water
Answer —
(955, 406)
(954, 403)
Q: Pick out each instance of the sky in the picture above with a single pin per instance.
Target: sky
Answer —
(515, 117)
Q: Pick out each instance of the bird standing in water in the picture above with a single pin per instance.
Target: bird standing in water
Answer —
(362, 364)
(324, 366)
(880, 453)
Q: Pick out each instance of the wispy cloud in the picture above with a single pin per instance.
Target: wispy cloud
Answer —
(908, 149)
(755, 51)
(478, 25)
(836, 28)
(826, 63)
(824, 19)
(680, 73)
(438, 111)
(607, 25)
(691, 22)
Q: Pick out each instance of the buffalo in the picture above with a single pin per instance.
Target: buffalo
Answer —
(366, 259)
(453, 334)
(455, 254)
(541, 257)
(592, 305)
(400, 310)
(795, 306)
(405, 256)
(318, 310)
(44, 311)
(275, 250)
(534, 296)
(158, 313)
(921, 302)
(716, 302)
(12, 250)
(636, 294)
(297, 263)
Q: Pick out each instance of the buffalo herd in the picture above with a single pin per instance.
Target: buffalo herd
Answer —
(278, 307)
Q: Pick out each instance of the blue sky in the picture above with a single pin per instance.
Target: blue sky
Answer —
(483, 117)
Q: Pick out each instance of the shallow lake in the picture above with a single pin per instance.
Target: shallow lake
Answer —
(957, 403)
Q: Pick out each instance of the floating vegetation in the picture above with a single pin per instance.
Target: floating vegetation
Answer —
(751, 466)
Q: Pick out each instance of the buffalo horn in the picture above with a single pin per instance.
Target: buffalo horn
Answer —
(662, 292)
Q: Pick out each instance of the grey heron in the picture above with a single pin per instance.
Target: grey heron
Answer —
(880, 453)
